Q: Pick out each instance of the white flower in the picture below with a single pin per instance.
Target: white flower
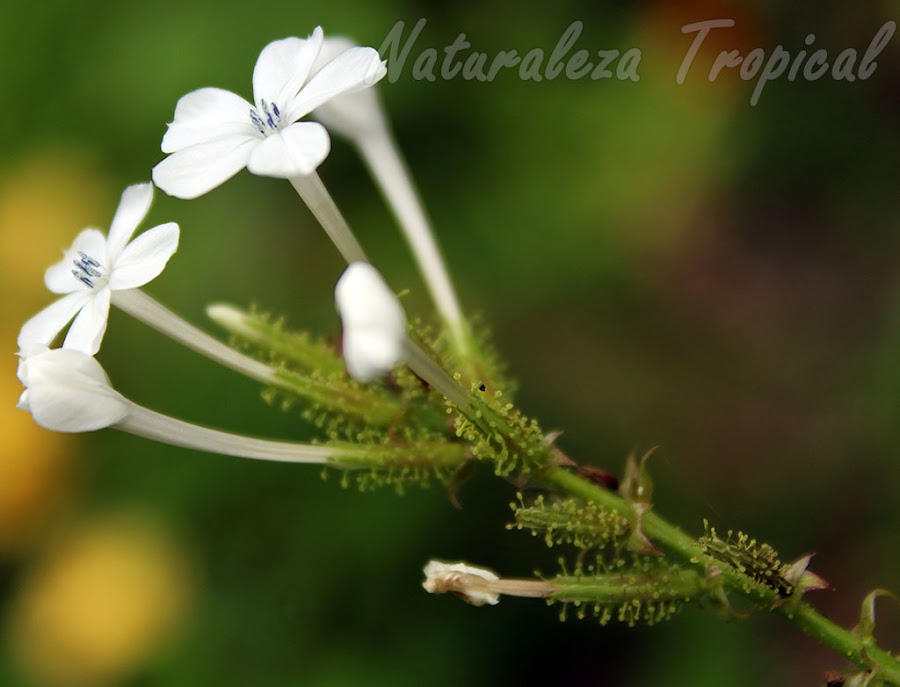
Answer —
(465, 580)
(374, 323)
(94, 267)
(216, 133)
(68, 391)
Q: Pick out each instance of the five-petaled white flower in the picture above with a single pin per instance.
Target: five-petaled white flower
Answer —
(94, 267)
(216, 133)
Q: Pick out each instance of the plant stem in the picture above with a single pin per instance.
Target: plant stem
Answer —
(864, 654)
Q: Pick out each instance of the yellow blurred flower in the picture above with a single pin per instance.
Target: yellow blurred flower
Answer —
(44, 201)
(98, 604)
(34, 470)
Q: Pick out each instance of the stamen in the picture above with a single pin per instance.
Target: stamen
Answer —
(80, 277)
(264, 119)
(88, 259)
(87, 269)
(257, 121)
(269, 120)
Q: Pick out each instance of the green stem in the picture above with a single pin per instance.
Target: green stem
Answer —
(864, 654)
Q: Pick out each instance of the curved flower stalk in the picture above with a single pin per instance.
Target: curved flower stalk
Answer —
(101, 270)
(216, 133)
(94, 268)
(359, 117)
(69, 391)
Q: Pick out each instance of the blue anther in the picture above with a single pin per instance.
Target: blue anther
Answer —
(88, 259)
(257, 121)
(80, 277)
(87, 267)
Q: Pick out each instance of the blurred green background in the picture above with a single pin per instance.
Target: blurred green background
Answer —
(660, 264)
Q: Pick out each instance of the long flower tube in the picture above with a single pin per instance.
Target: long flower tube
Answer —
(152, 313)
(319, 201)
(359, 117)
(69, 391)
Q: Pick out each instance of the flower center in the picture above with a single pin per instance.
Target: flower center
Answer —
(267, 119)
(87, 270)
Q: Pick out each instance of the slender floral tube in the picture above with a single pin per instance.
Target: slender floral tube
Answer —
(68, 391)
(380, 153)
(149, 424)
(149, 311)
(322, 205)
(359, 116)
(423, 365)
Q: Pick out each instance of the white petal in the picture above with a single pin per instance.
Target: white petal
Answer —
(351, 114)
(370, 355)
(59, 277)
(207, 115)
(374, 323)
(69, 392)
(350, 71)
(283, 67)
(299, 149)
(331, 48)
(144, 258)
(133, 207)
(43, 328)
(437, 571)
(365, 301)
(191, 172)
(86, 332)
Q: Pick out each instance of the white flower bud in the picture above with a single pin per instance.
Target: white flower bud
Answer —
(374, 323)
(68, 391)
(462, 579)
